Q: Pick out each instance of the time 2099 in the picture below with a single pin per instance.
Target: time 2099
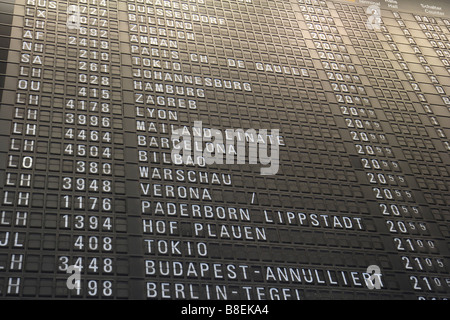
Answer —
(246, 309)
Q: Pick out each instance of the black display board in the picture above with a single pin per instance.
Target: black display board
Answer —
(224, 150)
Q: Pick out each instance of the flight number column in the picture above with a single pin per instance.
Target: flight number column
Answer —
(62, 202)
(94, 193)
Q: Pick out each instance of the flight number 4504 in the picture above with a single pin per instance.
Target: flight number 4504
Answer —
(244, 309)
